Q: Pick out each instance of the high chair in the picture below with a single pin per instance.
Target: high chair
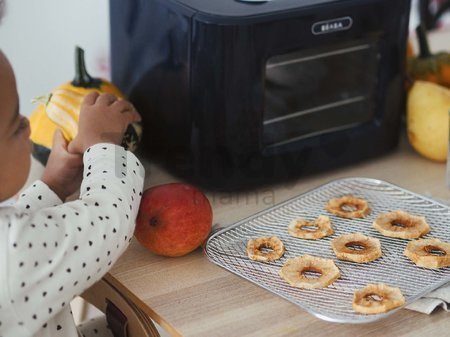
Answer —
(124, 318)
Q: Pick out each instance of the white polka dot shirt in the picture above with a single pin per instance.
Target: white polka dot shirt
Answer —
(52, 251)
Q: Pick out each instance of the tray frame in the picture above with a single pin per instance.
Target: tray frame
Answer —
(438, 277)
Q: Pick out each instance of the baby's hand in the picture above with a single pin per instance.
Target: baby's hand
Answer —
(64, 170)
(103, 119)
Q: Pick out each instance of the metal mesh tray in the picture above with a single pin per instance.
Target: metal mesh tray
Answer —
(227, 248)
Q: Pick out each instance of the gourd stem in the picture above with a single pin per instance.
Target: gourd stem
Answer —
(82, 77)
(423, 42)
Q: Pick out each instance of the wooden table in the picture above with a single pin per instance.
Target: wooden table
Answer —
(190, 296)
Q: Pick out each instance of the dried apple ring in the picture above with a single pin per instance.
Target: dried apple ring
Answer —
(400, 224)
(377, 298)
(311, 230)
(356, 247)
(348, 207)
(309, 272)
(274, 246)
(429, 253)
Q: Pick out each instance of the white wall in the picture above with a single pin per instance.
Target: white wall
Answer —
(39, 37)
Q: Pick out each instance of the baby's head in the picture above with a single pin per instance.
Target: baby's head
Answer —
(15, 145)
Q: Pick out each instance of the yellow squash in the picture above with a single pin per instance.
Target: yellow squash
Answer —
(427, 119)
(61, 108)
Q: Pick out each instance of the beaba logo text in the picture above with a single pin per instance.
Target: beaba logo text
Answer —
(331, 26)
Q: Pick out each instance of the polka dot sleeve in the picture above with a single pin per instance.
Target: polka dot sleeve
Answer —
(56, 252)
(36, 197)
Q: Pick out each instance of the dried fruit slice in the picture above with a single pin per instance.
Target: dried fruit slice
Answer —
(356, 247)
(265, 249)
(309, 272)
(377, 298)
(400, 224)
(311, 230)
(348, 207)
(429, 253)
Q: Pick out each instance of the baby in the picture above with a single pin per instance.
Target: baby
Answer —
(52, 251)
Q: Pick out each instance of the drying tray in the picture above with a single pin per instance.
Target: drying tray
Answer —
(227, 248)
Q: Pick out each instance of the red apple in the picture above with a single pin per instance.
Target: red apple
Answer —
(173, 219)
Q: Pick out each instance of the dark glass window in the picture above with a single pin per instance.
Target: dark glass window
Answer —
(311, 92)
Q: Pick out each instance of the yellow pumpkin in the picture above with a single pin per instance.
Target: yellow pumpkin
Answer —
(61, 109)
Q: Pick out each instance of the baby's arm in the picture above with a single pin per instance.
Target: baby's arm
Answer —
(55, 252)
(64, 171)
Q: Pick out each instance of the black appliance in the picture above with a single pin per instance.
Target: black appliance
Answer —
(236, 94)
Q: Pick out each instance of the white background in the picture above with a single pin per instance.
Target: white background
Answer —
(39, 38)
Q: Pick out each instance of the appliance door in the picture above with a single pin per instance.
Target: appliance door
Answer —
(333, 74)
